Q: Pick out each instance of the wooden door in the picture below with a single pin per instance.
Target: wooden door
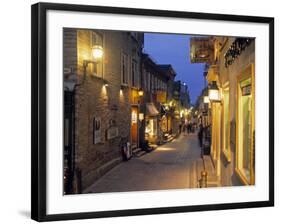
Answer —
(134, 126)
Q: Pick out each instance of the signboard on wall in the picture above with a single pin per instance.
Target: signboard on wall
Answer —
(112, 132)
(246, 90)
(161, 96)
(134, 117)
(96, 130)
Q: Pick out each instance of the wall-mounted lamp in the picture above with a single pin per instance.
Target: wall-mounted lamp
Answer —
(214, 92)
(97, 55)
(141, 92)
(141, 116)
(206, 99)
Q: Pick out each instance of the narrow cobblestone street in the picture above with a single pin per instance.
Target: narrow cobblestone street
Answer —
(170, 166)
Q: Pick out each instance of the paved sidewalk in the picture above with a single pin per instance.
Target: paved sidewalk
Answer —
(170, 166)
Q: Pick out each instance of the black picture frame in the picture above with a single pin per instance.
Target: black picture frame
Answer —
(39, 107)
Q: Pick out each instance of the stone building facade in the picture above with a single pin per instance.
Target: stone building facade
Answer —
(230, 80)
(232, 119)
(103, 94)
(154, 85)
(171, 103)
(158, 86)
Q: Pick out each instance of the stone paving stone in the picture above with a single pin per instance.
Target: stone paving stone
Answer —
(170, 166)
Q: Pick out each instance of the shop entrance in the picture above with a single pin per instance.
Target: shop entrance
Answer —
(134, 126)
(245, 128)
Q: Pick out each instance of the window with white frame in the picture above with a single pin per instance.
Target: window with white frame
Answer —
(124, 69)
(134, 73)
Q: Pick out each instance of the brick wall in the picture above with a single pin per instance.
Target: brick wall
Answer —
(70, 57)
(93, 99)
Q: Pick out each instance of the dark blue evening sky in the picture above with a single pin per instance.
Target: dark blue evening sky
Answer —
(174, 49)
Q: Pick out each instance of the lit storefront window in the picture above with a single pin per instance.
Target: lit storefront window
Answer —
(151, 127)
(245, 131)
(226, 124)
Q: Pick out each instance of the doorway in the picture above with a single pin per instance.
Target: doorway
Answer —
(134, 126)
(245, 127)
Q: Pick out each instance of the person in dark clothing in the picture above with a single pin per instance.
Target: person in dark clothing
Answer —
(180, 127)
(200, 135)
(188, 127)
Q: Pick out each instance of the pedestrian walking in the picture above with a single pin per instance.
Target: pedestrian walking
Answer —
(186, 126)
(180, 127)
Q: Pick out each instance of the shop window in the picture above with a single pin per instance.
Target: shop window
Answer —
(151, 127)
(245, 131)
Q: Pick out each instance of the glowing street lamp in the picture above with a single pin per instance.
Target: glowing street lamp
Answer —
(97, 53)
(140, 92)
(206, 99)
(214, 92)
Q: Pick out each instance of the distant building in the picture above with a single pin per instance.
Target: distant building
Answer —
(170, 74)
(171, 119)
(161, 113)
(155, 85)
(184, 95)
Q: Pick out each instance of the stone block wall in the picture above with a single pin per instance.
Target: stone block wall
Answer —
(230, 74)
(94, 99)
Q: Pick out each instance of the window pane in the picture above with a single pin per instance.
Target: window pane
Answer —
(124, 68)
(245, 131)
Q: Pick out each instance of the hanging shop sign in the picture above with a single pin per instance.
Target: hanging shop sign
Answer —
(112, 132)
(161, 96)
(134, 117)
(201, 50)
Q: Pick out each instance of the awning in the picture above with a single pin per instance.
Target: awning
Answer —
(151, 110)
